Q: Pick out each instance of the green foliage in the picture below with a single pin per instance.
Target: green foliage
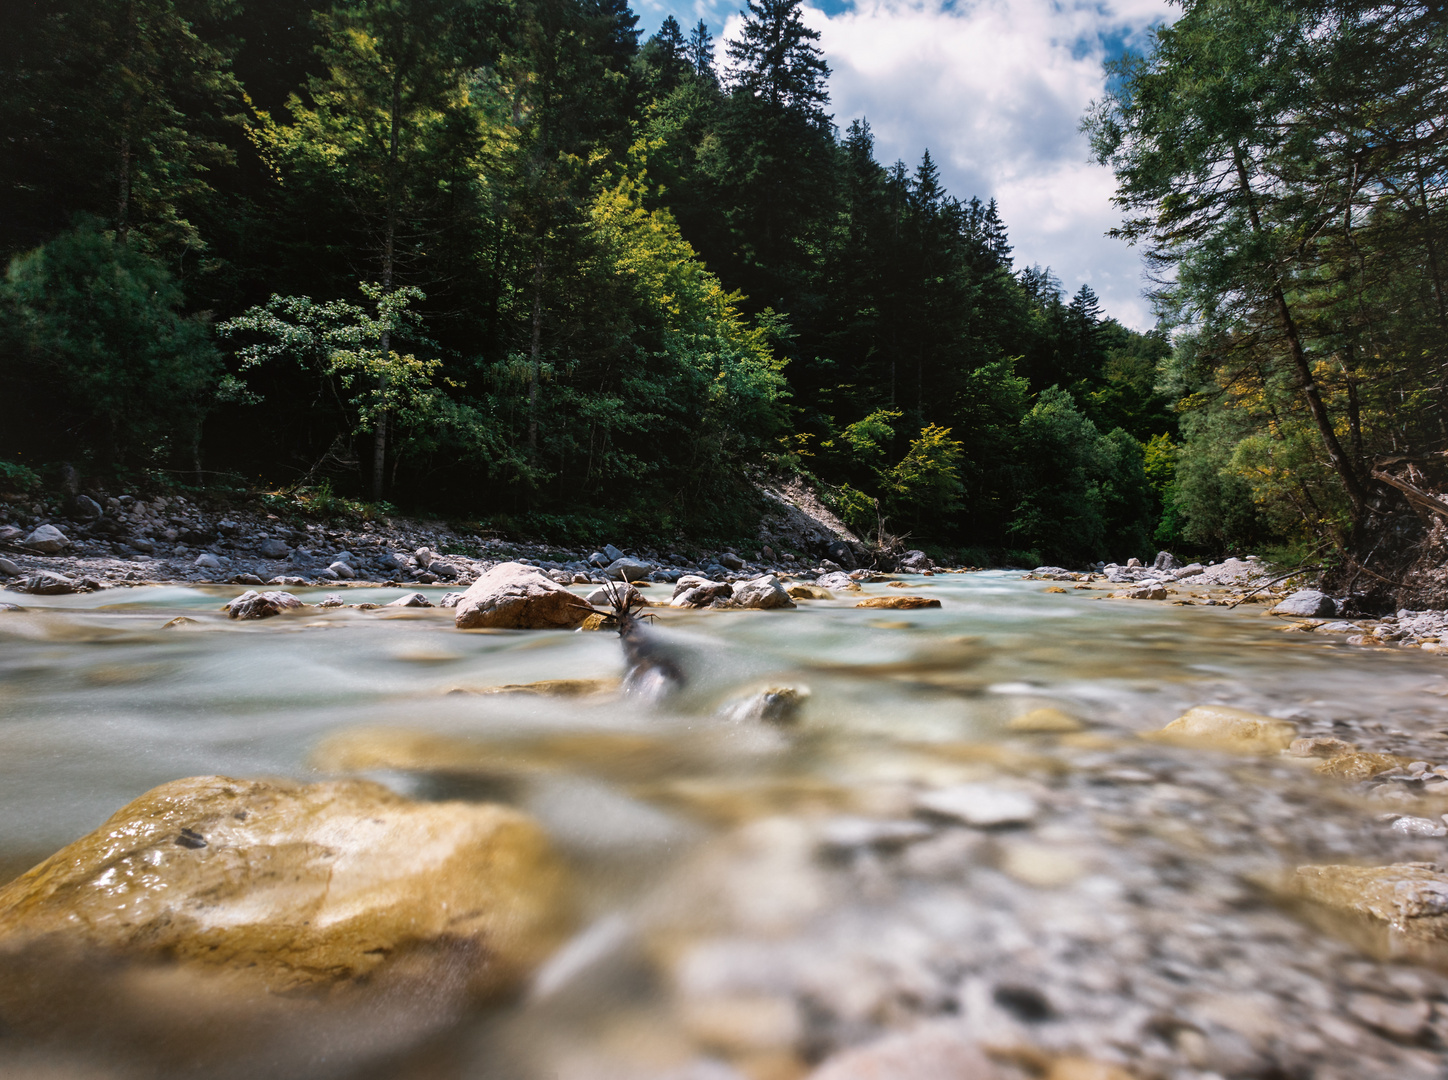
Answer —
(17, 477)
(95, 350)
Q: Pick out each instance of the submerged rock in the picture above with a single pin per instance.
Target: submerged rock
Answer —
(254, 605)
(1398, 911)
(776, 705)
(299, 886)
(904, 603)
(1221, 727)
(512, 596)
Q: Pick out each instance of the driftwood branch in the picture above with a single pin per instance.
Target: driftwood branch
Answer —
(1273, 581)
(1415, 495)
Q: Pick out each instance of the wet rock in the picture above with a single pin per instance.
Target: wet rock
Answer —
(809, 592)
(272, 548)
(837, 581)
(415, 599)
(342, 570)
(1221, 727)
(693, 591)
(255, 605)
(1045, 721)
(1397, 911)
(1320, 746)
(516, 597)
(627, 570)
(9, 567)
(46, 583)
(11, 607)
(47, 539)
(933, 1052)
(299, 886)
(763, 593)
(777, 705)
(902, 603)
(1419, 826)
(1357, 766)
(980, 805)
(207, 561)
(1308, 603)
(450, 600)
(602, 597)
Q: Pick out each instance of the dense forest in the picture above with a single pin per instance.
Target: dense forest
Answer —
(516, 261)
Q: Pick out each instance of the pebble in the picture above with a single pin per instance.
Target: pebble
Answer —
(980, 805)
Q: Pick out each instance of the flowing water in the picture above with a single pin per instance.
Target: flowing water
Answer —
(755, 896)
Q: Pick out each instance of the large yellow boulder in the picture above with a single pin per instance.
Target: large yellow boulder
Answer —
(288, 886)
(900, 603)
(1221, 727)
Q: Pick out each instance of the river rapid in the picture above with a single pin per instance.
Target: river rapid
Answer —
(755, 896)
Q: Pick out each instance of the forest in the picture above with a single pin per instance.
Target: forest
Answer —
(521, 262)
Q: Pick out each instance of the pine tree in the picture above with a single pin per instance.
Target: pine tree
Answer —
(775, 61)
(701, 52)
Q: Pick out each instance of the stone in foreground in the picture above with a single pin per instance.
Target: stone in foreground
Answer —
(934, 1052)
(981, 805)
(291, 886)
(1221, 727)
(1398, 911)
(903, 603)
(512, 596)
(1045, 721)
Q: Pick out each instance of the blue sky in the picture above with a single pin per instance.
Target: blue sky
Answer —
(995, 89)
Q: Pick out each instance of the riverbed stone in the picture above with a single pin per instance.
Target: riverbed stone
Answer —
(47, 539)
(300, 886)
(902, 603)
(1145, 590)
(46, 583)
(1045, 721)
(1398, 911)
(342, 570)
(932, 1052)
(414, 599)
(1307, 603)
(762, 593)
(1356, 766)
(602, 597)
(272, 548)
(207, 561)
(254, 605)
(808, 592)
(1221, 727)
(627, 570)
(981, 805)
(513, 596)
(9, 567)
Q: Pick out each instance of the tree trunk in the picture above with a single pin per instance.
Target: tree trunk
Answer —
(1341, 464)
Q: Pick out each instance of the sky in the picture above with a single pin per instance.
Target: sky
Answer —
(995, 90)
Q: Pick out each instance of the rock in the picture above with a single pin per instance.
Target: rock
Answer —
(1356, 766)
(144, 545)
(1404, 1020)
(272, 548)
(1320, 746)
(1075, 1068)
(1133, 562)
(1045, 721)
(415, 599)
(933, 1052)
(516, 597)
(777, 705)
(1190, 570)
(854, 833)
(1146, 590)
(602, 597)
(611, 553)
(1398, 911)
(425, 577)
(627, 570)
(914, 562)
(424, 557)
(11, 607)
(1419, 826)
(1164, 560)
(342, 570)
(9, 533)
(763, 594)
(333, 600)
(255, 605)
(47, 583)
(300, 886)
(247, 579)
(842, 553)
(47, 539)
(1309, 603)
(450, 600)
(809, 592)
(1221, 727)
(731, 561)
(208, 561)
(84, 508)
(9, 567)
(692, 591)
(838, 581)
(389, 561)
(904, 603)
(981, 805)
(444, 571)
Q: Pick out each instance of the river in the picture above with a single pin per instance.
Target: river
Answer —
(756, 896)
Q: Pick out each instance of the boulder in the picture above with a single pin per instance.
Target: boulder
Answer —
(450, 600)
(255, 605)
(424, 557)
(809, 592)
(1309, 604)
(1164, 560)
(1145, 590)
(602, 597)
(9, 533)
(1221, 727)
(842, 553)
(247, 579)
(272, 548)
(838, 581)
(9, 567)
(763, 593)
(207, 561)
(627, 570)
(693, 591)
(443, 571)
(47, 583)
(611, 553)
(47, 539)
(342, 570)
(913, 562)
(144, 545)
(512, 596)
(902, 603)
(731, 561)
(84, 508)
(775, 705)
(292, 887)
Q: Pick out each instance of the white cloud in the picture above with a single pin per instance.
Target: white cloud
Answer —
(996, 89)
